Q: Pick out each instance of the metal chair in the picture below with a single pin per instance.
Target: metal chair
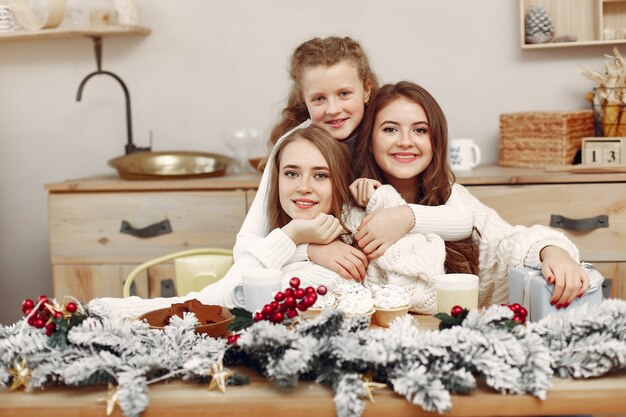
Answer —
(194, 269)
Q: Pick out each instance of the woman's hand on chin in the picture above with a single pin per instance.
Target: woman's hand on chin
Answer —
(322, 229)
(569, 278)
(383, 228)
(347, 261)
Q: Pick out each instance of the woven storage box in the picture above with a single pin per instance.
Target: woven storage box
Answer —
(538, 139)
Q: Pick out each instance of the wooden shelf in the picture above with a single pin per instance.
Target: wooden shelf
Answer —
(585, 19)
(103, 31)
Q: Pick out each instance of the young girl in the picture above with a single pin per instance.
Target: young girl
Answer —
(404, 144)
(332, 83)
(309, 197)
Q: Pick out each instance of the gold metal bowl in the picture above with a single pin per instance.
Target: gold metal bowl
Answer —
(170, 165)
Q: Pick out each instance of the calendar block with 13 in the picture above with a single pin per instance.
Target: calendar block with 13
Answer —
(604, 151)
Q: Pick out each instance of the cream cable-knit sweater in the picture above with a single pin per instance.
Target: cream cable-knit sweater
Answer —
(413, 262)
(451, 221)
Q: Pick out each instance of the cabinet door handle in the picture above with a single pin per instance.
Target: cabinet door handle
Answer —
(579, 225)
(156, 229)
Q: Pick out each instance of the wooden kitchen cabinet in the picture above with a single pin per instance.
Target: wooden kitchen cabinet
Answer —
(531, 196)
(91, 257)
(95, 228)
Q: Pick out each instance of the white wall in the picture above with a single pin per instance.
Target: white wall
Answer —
(215, 64)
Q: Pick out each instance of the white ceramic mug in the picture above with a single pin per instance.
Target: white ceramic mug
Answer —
(257, 289)
(463, 154)
(456, 290)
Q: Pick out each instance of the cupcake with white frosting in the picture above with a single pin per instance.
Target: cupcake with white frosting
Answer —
(354, 299)
(323, 302)
(391, 302)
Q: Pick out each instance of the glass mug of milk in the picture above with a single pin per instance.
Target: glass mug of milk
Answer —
(463, 154)
(456, 290)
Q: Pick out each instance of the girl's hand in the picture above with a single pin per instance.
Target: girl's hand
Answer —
(383, 228)
(569, 278)
(322, 229)
(345, 260)
(362, 190)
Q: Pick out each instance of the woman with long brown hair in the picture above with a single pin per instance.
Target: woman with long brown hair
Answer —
(404, 143)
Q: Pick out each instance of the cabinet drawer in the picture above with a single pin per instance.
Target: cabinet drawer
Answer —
(533, 204)
(85, 227)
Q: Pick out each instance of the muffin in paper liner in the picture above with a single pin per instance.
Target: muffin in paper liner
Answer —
(384, 317)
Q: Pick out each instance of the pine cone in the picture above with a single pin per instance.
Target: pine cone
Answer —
(539, 28)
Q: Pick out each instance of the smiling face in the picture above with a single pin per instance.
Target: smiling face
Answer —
(304, 184)
(335, 98)
(401, 143)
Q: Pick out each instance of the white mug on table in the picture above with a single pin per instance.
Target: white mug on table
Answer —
(257, 289)
(463, 154)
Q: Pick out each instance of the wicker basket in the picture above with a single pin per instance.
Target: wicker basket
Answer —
(538, 139)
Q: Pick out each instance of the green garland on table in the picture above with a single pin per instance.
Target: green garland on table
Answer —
(426, 367)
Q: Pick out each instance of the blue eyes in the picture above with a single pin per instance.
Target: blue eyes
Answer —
(341, 94)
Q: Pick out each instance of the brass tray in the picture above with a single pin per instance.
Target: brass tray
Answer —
(170, 165)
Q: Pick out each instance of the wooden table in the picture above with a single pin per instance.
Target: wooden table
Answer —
(598, 396)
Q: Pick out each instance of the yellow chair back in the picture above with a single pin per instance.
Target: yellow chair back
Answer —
(194, 268)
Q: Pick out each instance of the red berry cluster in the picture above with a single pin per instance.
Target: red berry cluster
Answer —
(519, 313)
(46, 313)
(287, 302)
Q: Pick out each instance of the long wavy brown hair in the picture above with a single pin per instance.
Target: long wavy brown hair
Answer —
(337, 158)
(434, 184)
(312, 53)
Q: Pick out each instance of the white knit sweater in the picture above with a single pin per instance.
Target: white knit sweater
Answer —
(451, 221)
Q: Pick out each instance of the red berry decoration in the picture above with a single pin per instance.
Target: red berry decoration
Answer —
(294, 282)
(27, 304)
(515, 308)
(291, 313)
(232, 339)
(290, 302)
(39, 323)
(277, 317)
(523, 312)
(456, 310)
(322, 290)
(71, 307)
(280, 296)
(267, 310)
(518, 319)
(274, 305)
(309, 290)
(299, 293)
(258, 316)
(302, 306)
(289, 292)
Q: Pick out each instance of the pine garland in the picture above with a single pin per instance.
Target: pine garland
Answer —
(426, 367)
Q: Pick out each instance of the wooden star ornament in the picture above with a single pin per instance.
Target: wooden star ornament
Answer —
(219, 375)
(369, 386)
(20, 375)
(112, 399)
